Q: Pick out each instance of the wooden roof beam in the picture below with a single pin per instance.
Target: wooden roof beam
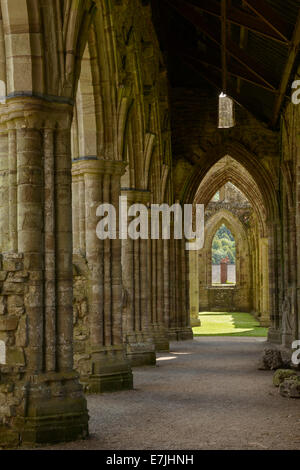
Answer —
(293, 53)
(224, 44)
(233, 69)
(193, 15)
(242, 19)
(216, 81)
(271, 17)
(256, 25)
(213, 59)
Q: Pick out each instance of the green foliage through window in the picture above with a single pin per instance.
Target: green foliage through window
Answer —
(223, 245)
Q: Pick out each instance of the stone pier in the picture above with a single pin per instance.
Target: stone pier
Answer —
(43, 400)
(137, 327)
(100, 355)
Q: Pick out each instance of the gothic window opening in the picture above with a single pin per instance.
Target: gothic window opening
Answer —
(224, 258)
(216, 197)
(226, 112)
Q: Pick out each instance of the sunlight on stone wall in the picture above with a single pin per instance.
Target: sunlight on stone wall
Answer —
(226, 112)
(2, 353)
(2, 92)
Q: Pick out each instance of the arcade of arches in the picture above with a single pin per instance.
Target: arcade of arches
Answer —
(247, 224)
(90, 110)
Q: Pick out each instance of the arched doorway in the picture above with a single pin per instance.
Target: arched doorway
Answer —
(235, 205)
(223, 252)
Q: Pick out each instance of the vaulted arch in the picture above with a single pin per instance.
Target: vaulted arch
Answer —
(243, 264)
(226, 170)
(227, 218)
(259, 174)
(44, 43)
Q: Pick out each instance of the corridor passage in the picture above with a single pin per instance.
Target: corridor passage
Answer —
(205, 394)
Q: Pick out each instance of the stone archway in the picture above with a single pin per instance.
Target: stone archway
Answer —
(254, 232)
(235, 298)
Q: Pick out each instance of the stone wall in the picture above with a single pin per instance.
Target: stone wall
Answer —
(13, 332)
(198, 143)
(13, 296)
(228, 299)
(82, 352)
(290, 225)
(205, 159)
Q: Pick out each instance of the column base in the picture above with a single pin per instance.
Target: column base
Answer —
(274, 336)
(161, 339)
(141, 359)
(140, 350)
(111, 372)
(195, 322)
(287, 340)
(47, 409)
(264, 320)
(181, 334)
(264, 323)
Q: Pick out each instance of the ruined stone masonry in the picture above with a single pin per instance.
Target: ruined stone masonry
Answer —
(93, 107)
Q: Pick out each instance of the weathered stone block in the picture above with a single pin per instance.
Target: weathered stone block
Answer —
(36, 276)
(3, 305)
(7, 410)
(271, 360)
(12, 288)
(9, 323)
(6, 388)
(3, 276)
(290, 388)
(8, 439)
(19, 276)
(15, 356)
(34, 297)
(79, 347)
(33, 262)
(282, 374)
(21, 335)
(15, 301)
(12, 262)
(18, 311)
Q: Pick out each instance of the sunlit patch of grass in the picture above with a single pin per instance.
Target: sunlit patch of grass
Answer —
(229, 324)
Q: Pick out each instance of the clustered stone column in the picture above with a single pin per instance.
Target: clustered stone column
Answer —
(100, 354)
(194, 287)
(274, 334)
(264, 319)
(158, 271)
(137, 327)
(44, 401)
(179, 322)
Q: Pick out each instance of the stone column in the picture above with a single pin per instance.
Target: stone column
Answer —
(194, 287)
(264, 283)
(297, 228)
(45, 402)
(180, 327)
(101, 358)
(274, 334)
(158, 267)
(138, 333)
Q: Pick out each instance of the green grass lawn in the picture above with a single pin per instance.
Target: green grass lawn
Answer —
(229, 324)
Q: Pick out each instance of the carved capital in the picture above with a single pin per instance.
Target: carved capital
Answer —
(35, 113)
(98, 167)
(136, 196)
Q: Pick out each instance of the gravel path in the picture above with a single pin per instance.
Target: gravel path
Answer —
(205, 394)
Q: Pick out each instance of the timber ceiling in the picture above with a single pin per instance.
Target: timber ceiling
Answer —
(248, 49)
